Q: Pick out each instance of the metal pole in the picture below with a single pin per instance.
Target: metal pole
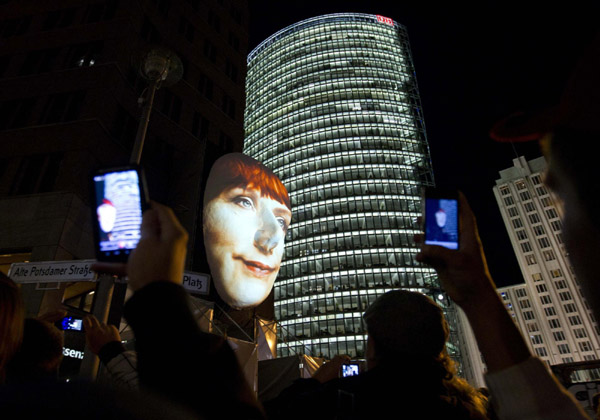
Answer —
(136, 153)
(102, 304)
(90, 362)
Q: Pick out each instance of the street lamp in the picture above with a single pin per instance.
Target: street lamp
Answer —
(159, 67)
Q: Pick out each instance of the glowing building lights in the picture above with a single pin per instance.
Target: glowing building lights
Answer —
(333, 109)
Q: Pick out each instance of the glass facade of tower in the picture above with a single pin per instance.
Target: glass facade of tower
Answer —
(333, 109)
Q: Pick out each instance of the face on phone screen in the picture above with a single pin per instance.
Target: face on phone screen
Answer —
(119, 212)
(441, 222)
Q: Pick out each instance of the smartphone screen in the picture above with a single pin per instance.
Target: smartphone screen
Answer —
(441, 219)
(350, 369)
(120, 201)
(71, 323)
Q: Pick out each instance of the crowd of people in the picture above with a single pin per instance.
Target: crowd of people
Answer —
(409, 370)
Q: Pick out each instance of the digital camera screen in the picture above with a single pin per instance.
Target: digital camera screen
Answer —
(119, 211)
(441, 222)
(349, 370)
(70, 323)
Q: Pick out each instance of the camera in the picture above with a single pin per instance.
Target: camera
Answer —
(119, 199)
(441, 218)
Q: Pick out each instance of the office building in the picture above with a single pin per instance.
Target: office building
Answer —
(548, 307)
(69, 89)
(332, 107)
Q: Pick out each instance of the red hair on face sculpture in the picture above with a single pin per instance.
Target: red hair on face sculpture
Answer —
(238, 170)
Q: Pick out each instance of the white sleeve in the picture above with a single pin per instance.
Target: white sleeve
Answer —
(122, 369)
(529, 391)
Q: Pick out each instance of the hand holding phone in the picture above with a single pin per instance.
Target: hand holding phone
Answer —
(440, 216)
(120, 198)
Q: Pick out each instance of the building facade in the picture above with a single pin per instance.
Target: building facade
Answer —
(548, 308)
(332, 107)
(69, 94)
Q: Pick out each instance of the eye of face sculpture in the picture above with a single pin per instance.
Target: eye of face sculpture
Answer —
(246, 216)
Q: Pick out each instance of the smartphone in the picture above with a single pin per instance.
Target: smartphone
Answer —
(70, 323)
(350, 369)
(120, 197)
(440, 217)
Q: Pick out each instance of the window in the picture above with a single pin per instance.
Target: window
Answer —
(564, 296)
(520, 185)
(585, 346)
(564, 349)
(538, 230)
(525, 195)
(551, 213)
(560, 284)
(541, 288)
(556, 273)
(532, 327)
(210, 51)
(526, 247)
(580, 332)
(171, 106)
(537, 339)
(521, 292)
(545, 299)
(36, 174)
(556, 225)
(521, 234)
(549, 255)
(529, 207)
(530, 259)
(574, 320)
(525, 304)
(534, 218)
(513, 212)
(544, 242)
(536, 180)
(541, 351)
(554, 323)
(550, 311)
(504, 190)
(570, 308)
(528, 315)
(559, 336)
(517, 223)
(541, 190)
(537, 277)
(508, 201)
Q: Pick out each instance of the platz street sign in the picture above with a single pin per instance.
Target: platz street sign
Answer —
(197, 283)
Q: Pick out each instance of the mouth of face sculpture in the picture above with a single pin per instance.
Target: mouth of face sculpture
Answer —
(257, 268)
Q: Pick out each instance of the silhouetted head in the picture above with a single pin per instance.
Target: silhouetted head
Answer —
(40, 354)
(404, 324)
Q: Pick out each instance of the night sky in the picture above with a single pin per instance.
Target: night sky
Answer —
(474, 65)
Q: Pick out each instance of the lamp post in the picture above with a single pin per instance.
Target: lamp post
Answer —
(159, 67)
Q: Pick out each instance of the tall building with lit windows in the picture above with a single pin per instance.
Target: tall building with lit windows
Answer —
(333, 109)
(549, 307)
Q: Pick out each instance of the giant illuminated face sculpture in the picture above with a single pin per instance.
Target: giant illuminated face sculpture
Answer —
(246, 215)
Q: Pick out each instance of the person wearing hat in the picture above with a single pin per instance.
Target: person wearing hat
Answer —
(408, 371)
(520, 385)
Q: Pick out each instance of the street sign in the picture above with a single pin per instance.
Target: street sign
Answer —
(52, 271)
(79, 270)
(197, 283)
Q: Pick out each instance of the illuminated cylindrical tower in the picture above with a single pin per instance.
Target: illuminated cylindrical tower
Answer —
(333, 109)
